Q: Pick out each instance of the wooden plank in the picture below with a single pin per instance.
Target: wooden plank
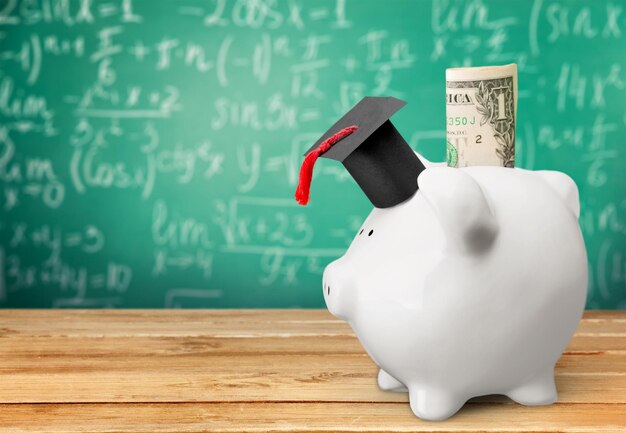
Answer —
(605, 315)
(323, 365)
(602, 327)
(203, 345)
(163, 315)
(231, 315)
(596, 344)
(28, 345)
(170, 346)
(130, 378)
(593, 363)
(216, 323)
(306, 417)
(172, 323)
(202, 387)
(268, 370)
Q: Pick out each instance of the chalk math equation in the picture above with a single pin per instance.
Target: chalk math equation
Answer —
(149, 150)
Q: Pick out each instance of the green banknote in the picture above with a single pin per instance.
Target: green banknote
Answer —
(481, 106)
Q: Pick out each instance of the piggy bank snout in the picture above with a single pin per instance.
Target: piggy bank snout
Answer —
(338, 293)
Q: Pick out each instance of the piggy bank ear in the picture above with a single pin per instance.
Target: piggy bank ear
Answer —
(461, 206)
(564, 186)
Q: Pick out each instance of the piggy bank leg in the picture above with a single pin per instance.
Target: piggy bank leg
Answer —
(387, 382)
(434, 404)
(538, 391)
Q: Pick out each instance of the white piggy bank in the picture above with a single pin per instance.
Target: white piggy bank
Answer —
(473, 286)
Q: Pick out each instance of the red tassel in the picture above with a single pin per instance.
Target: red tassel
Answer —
(306, 171)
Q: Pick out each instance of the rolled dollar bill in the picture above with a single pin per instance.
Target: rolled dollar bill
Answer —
(481, 107)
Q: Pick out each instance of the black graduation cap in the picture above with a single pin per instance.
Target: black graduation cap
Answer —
(371, 149)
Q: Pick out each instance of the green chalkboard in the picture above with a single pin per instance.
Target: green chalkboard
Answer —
(149, 150)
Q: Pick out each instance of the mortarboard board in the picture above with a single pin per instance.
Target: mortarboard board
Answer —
(371, 149)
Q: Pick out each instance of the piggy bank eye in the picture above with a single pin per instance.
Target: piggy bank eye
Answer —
(371, 232)
(360, 232)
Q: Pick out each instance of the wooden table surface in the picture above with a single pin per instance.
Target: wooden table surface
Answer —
(261, 371)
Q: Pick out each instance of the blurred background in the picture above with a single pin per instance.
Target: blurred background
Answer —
(149, 150)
